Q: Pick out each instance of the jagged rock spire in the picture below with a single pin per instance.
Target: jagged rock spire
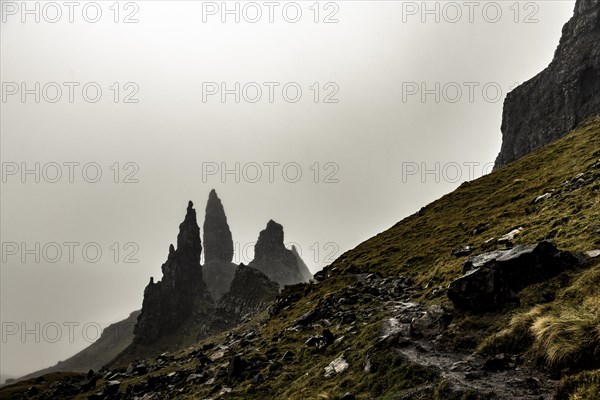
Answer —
(273, 259)
(181, 293)
(218, 243)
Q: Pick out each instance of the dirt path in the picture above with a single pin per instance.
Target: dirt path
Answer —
(464, 371)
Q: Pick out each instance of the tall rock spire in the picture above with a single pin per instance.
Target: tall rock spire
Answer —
(218, 244)
(181, 293)
(561, 97)
(218, 248)
(272, 258)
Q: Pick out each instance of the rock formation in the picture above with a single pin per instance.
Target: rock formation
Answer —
(251, 292)
(218, 269)
(272, 258)
(218, 244)
(562, 96)
(181, 293)
(492, 280)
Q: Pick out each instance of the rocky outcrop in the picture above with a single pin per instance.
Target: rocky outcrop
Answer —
(181, 293)
(273, 259)
(218, 269)
(251, 292)
(491, 281)
(562, 96)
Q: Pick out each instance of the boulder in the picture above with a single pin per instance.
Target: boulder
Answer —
(492, 280)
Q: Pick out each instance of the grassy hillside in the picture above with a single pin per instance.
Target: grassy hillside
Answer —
(552, 339)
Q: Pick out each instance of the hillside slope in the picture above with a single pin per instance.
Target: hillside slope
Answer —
(114, 339)
(377, 323)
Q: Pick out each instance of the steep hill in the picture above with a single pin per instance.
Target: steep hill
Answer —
(377, 323)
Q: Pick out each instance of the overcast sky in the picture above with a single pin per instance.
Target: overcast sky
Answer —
(335, 164)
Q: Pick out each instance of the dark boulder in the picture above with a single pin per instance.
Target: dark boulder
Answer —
(492, 280)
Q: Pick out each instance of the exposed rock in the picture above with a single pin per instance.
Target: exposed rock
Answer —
(273, 259)
(542, 197)
(181, 293)
(463, 251)
(493, 279)
(510, 235)
(431, 324)
(218, 270)
(337, 366)
(593, 253)
(251, 292)
(562, 96)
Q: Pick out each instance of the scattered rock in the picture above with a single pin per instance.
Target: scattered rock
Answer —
(509, 237)
(463, 251)
(593, 253)
(335, 367)
(543, 197)
(430, 325)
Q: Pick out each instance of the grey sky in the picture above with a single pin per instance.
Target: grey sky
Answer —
(365, 141)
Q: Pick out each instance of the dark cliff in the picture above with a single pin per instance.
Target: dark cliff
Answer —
(562, 96)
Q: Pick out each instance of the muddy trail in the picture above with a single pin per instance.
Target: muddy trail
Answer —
(411, 332)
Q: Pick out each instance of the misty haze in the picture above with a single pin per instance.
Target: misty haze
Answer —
(300, 200)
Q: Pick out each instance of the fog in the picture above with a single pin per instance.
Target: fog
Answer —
(336, 129)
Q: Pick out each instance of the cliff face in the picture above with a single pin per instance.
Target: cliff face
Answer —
(562, 96)
(251, 292)
(272, 258)
(218, 269)
(181, 293)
